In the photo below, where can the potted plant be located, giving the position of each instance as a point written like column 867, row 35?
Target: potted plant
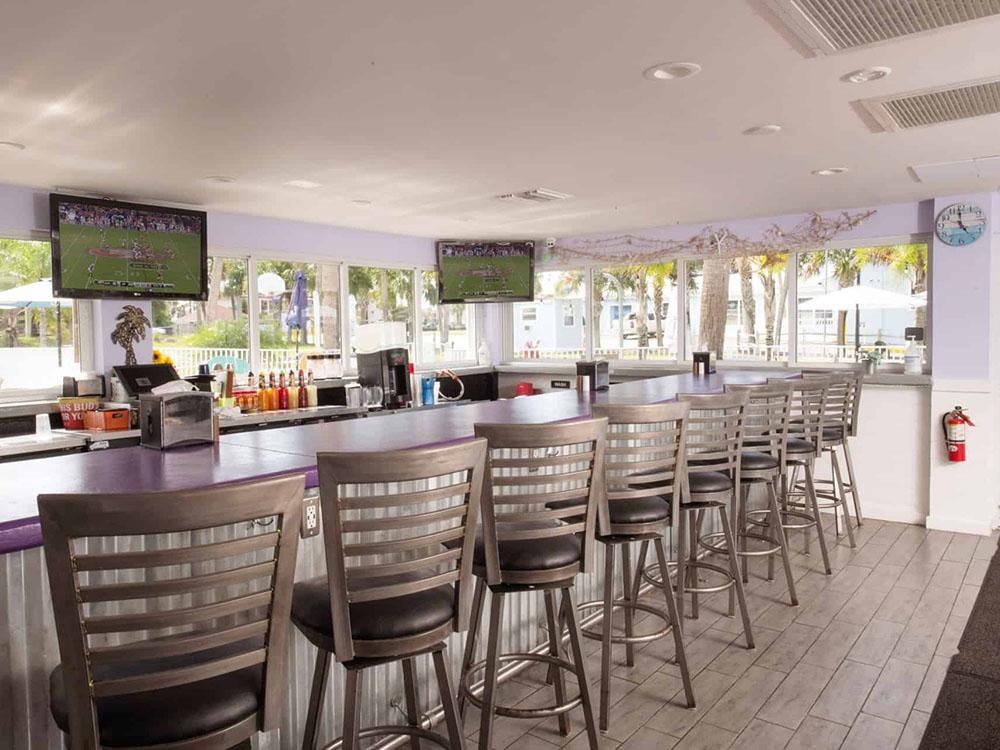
column 871, row 358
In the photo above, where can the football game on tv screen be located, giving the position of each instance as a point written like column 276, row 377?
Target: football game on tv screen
column 103, row 248
column 479, row 271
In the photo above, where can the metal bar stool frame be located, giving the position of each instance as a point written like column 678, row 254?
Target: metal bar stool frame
column 765, row 433
column 806, row 425
column 520, row 506
column 714, row 445
column 644, row 461
column 839, row 406
column 402, row 541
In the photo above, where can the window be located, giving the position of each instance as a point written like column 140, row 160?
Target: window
column 736, row 307
column 297, row 312
column 379, row 294
column 448, row 332
column 214, row 332
column 853, row 301
column 39, row 336
column 540, row 331
column 569, row 315
column 635, row 311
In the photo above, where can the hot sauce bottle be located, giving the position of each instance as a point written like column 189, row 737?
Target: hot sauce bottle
column 293, row 391
column 303, row 392
column 282, row 392
column 262, row 395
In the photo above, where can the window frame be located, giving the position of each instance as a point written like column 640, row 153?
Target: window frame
column 683, row 359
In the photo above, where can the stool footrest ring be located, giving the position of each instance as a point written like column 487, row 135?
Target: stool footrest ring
column 622, row 604
column 386, row 730
column 522, row 713
column 772, row 549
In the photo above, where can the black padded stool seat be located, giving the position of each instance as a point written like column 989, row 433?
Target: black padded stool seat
column 532, row 554
column 798, row 445
column 640, row 510
column 398, row 617
column 709, row 481
column 754, row 461
column 833, row 434
column 169, row 714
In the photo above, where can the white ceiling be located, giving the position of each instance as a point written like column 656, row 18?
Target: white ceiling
column 429, row 109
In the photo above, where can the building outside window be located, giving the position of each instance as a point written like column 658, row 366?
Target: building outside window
column 539, row 327
column 737, row 307
column 39, row 336
column 862, row 300
column 448, row 332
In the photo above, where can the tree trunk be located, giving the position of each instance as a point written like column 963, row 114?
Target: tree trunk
column 214, row 287
column 328, row 286
column 658, row 310
column 444, row 322
column 383, row 290
column 714, row 300
column 749, row 304
column 841, row 329
column 642, row 329
column 768, row 282
column 780, row 316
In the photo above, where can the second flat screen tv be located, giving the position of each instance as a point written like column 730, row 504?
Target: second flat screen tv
column 103, row 248
column 485, row 271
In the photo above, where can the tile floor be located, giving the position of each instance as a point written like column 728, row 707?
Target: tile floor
column 857, row 664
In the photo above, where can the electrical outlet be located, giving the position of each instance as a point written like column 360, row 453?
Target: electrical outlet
column 310, row 517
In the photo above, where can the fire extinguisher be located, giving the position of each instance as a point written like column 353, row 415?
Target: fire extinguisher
column 953, row 423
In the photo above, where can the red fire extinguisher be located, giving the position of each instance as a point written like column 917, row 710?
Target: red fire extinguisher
column 953, row 424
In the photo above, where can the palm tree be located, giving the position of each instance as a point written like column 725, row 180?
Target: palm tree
column 659, row 274
column 130, row 330
column 714, row 303
column 911, row 261
column 744, row 266
column 360, row 285
column 770, row 267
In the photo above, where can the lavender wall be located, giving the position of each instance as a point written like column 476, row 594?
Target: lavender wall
column 24, row 211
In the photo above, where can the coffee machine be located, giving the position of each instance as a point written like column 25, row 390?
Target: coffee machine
column 389, row 369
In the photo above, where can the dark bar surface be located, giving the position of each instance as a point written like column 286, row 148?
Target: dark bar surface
column 291, row 450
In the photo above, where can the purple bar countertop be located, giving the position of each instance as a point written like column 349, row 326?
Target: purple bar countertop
column 292, row 450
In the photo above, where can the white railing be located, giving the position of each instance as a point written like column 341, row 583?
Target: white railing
column 187, row 358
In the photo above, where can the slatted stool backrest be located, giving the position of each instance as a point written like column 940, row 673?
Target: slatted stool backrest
column 171, row 602
column 766, row 419
column 644, row 456
column 808, row 417
column 540, row 478
column 715, row 432
column 397, row 523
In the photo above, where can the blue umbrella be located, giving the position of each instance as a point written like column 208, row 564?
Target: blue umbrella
column 295, row 317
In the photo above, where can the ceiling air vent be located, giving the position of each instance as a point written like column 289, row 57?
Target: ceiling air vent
column 827, row 26
column 934, row 106
column 537, row 195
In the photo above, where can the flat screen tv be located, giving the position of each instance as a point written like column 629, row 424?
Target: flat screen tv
column 485, row 271
column 104, row 248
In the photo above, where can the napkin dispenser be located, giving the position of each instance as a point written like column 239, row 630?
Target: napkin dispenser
column 170, row 420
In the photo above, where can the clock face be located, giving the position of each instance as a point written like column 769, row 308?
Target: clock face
column 960, row 224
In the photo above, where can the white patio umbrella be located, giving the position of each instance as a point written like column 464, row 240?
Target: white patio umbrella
column 36, row 294
column 859, row 297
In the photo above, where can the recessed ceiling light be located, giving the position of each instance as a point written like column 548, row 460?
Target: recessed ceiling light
column 219, row 179
column 866, row 75
column 672, row 71
column 361, row 202
column 303, row 184
column 829, row 171
column 769, row 129
column 12, row 146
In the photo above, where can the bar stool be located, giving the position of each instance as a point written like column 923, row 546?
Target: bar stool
column 647, row 442
column 714, row 452
column 145, row 661
column 393, row 589
column 765, row 433
column 804, row 446
column 527, row 544
column 838, row 436
column 837, row 409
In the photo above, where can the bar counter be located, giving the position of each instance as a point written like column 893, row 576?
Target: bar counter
column 28, row 649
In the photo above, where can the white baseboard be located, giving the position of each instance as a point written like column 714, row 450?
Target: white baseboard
column 960, row 525
column 884, row 512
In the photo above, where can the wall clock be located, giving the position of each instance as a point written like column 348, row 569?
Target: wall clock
column 960, row 224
